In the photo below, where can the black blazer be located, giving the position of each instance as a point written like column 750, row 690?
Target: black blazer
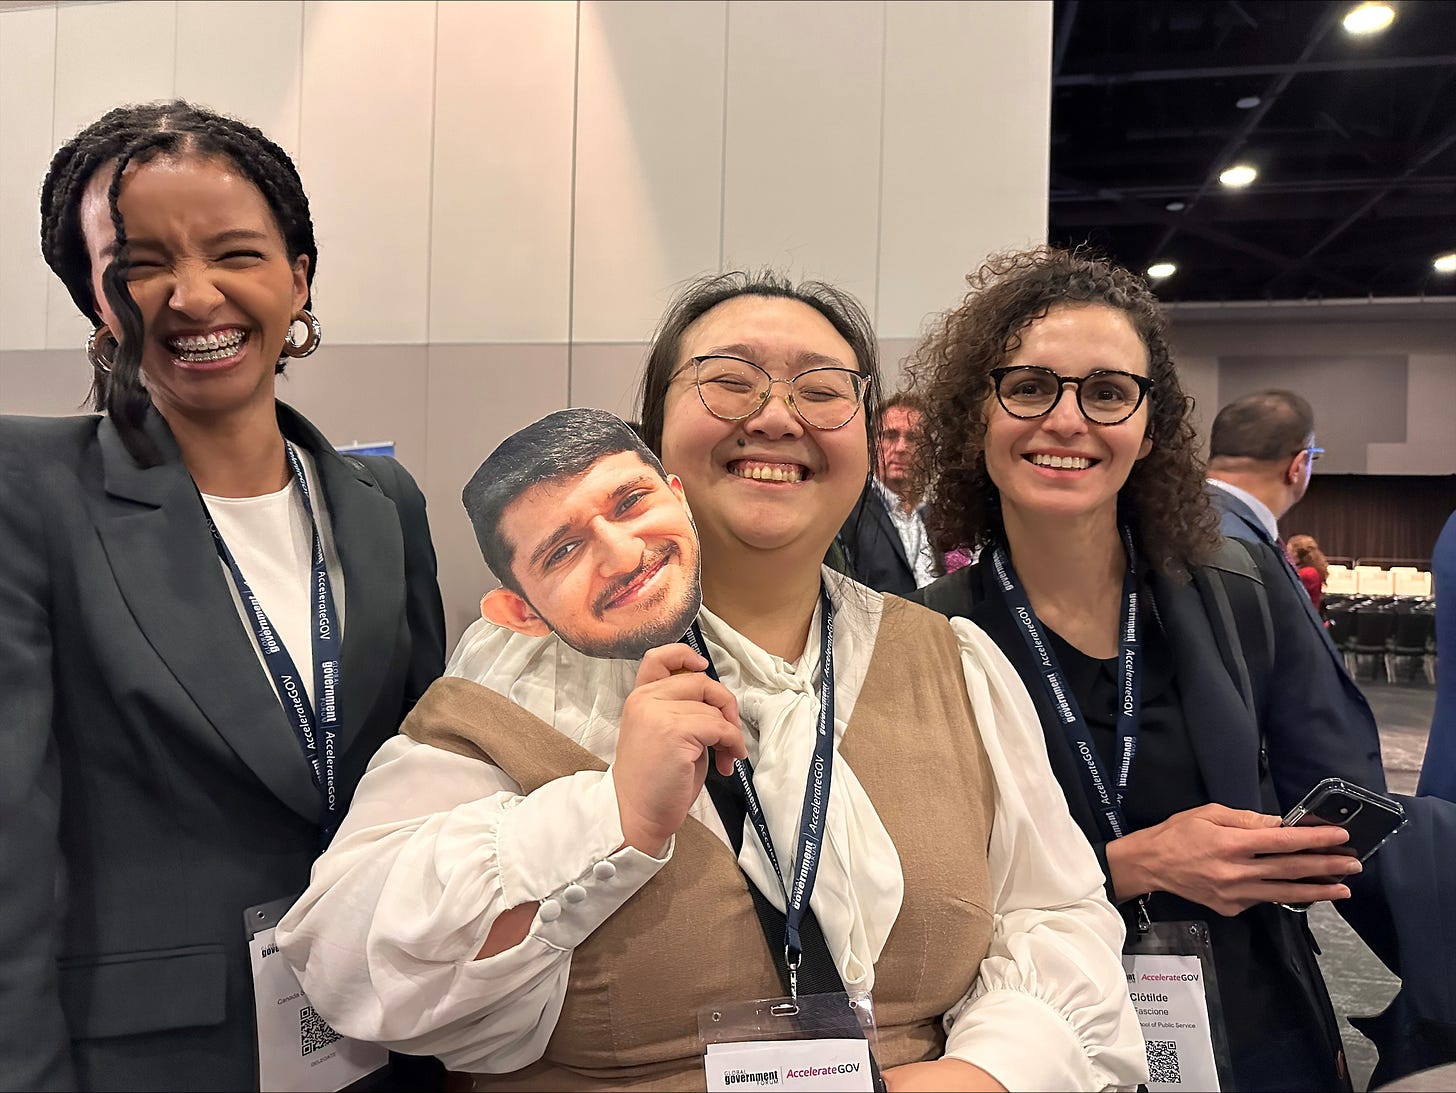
column 873, row 547
column 1237, row 521
column 1300, row 731
column 151, row 787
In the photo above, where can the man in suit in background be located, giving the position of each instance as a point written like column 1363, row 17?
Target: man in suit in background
column 1260, row 454
column 884, row 538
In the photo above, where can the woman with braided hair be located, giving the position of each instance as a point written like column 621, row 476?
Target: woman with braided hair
column 212, row 620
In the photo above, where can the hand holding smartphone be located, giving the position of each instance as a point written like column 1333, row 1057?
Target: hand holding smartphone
column 1368, row 817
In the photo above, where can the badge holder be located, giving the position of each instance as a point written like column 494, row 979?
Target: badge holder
column 1174, row 989
column 297, row 1049
column 826, row 1041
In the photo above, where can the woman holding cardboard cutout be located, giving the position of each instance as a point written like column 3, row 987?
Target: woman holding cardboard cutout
column 544, row 894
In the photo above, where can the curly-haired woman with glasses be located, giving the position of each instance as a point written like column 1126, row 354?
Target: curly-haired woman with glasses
column 1057, row 438
column 554, row 918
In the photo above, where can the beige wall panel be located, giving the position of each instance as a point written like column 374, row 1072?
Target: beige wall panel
column 478, row 396
column 364, row 143
column 1199, row 378
column 1430, row 445
column 264, row 91
column 649, row 161
column 44, row 381
column 27, row 84
column 89, row 82
column 967, row 124
column 501, row 226
column 894, row 353
column 606, row 376
column 801, row 185
column 362, row 393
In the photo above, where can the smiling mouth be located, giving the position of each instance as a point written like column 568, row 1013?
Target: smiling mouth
column 1061, row 462
column 759, row 471
column 207, row 348
column 626, row 591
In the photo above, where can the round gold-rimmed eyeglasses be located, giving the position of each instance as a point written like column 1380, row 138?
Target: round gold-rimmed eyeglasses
column 734, row 389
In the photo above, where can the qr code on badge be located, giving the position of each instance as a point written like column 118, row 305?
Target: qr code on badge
column 1162, row 1062
column 314, row 1033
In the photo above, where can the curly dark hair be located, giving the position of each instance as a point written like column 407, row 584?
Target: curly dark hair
column 137, row 134
column 1164, row 497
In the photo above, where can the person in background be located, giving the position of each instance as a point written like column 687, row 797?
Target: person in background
column 1438, row 771
column 158, row 561
column 1309, row 563
column 549, row 872
column 1059, row 439
column 884, row 538
column 1261, row 455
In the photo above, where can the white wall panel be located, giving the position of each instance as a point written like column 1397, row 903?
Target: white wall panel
column 649, row 160
column 264, row 91
column 801, row 186
column 364, row 154
column 27, row 84
column 967, row 113
column 501, row 234
column 91, row 77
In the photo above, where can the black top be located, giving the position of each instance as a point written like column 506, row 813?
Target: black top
column 1166, row 780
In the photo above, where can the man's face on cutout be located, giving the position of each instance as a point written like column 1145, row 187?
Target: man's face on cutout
column 608, row 559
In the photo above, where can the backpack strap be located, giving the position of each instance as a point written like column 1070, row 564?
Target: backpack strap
column 1233, row 587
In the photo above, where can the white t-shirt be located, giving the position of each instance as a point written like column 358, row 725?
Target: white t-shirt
column 272, row 541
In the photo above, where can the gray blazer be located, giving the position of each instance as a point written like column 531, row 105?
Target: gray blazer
column 151, row 788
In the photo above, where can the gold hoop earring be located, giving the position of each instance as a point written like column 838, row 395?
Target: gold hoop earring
column 99, row 360
column 313, row 335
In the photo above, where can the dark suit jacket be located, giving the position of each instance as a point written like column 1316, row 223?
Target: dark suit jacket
column 151, row 788
column 1237, row 521
column 872, row 545
column 1263, row 759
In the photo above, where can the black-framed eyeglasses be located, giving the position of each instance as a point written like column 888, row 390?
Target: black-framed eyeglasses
column 1105, row 397
column 1314, row 453
column 733, row 389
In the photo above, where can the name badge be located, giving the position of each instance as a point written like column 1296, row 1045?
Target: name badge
column 789, row 1064
column 812, row 1042
column 1170, row 979
column 297, row 1049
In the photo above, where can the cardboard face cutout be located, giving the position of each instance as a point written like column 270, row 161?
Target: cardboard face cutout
column 590, row 538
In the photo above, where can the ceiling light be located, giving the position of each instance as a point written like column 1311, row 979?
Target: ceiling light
column 1176, row 206
column 1240, row 174
column 1369, row 18
column 1248, row 102
column 1158, row 270
column 1445, row 263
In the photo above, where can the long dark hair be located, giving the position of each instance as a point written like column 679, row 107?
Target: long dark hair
column 138, row 134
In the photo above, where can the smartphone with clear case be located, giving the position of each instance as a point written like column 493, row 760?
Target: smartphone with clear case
column 1368, row 817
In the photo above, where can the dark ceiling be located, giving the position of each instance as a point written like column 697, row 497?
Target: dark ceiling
column 1354, row 140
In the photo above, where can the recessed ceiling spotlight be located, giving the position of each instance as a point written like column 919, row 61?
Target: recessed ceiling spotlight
column 1369, row 18
column 1159, row 270
column 1445, row 263
column 1176, row 206
column 1240, row 174
column 1248, row 102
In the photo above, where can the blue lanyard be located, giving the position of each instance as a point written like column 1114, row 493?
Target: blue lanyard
column 1106, row 801
column 325, row 647
column 816, row 792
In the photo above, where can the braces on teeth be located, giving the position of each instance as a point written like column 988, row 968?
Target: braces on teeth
column 208, row 347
